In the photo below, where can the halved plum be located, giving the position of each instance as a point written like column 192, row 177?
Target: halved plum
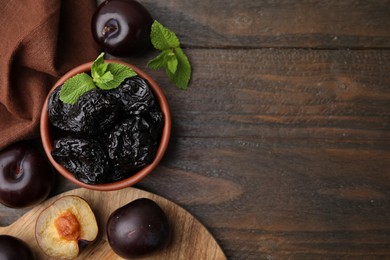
column 65, row 226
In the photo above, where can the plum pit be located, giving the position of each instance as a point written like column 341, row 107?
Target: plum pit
column 68, row 227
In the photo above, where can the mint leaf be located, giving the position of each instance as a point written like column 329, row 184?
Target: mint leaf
column 162, row 38
column 172, row 63
column 166, row 59
column 158, row 62
column 75, row 87
column 104, row 75
column 172, row 57
column 104, row 78
column 181, row 77
column 99, row 67
column 109, row 75
column 119, row 73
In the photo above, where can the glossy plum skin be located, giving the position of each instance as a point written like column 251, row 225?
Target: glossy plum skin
column 122, row 27
column 138, row 228
column 13, row 248
column 26, row 177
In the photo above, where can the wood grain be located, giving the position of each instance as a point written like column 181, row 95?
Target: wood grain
column 286, row 151
column 183, row 245
column 281, row 145
column 276, row 23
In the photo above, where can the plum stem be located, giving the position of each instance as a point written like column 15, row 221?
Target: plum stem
column 110, row 27
column 18, row 171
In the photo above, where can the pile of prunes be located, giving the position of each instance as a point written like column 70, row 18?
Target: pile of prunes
column 107, row 135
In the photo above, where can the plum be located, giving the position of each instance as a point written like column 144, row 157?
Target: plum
column 13, row 248
column 26, row 177
column 137, row 228
column 65, row 227
column 122, row 27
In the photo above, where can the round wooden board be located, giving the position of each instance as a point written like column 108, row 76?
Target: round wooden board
column 189, row 240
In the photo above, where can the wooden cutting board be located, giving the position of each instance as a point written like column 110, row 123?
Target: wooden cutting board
column 190, row 239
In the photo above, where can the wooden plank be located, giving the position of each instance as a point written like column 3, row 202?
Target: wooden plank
column 277, row 23
column 283, row 152
column 281, row 199
column 328, row 96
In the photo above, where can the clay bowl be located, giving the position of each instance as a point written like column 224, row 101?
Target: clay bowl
column 48, row 131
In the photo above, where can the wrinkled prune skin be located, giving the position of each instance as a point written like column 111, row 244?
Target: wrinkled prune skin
column 135, row 96
column 111, row 134
column 94, row 111
column 131, row 145
column 58, row 111
column 83, row 157
column 155, row 117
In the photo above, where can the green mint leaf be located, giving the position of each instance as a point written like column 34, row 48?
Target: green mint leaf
column 99, row 66
column 172, row 57
column 172, row 63
column 104, row 78
column 75, row 87
column 104, row 75
column 162, row 38
column 119, row 74
column 182, row 75
column 161, row 61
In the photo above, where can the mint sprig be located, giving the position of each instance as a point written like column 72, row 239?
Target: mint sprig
column 75, row 87
column 171, row 58
column 162, row 38
column 104, row 75
column 120, row 73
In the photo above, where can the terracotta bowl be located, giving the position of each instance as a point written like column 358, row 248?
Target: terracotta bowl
column 48, row 131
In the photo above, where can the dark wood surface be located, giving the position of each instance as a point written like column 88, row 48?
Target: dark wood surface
column 281, row 144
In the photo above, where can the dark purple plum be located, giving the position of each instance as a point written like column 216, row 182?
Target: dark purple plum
column 122, row 27
column 138, row 228
column 26, row 177
column 13, row 248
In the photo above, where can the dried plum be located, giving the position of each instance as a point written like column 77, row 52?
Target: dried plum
column 93, row 113
column 85, row 158
column 135, row 96
column 130, row 145
column 110, row 134
column 58, row 111
column 156, row 117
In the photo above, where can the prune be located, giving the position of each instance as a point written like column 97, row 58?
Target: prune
column 57, row 110
column 93, row 112
column 138, row 228
column 83, row 157
column 110, row 133
column 135, row 96
column 156, row 117
column 122, row 27
column 130, row 145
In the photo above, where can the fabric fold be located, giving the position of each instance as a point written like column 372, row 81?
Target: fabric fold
column 43, row 39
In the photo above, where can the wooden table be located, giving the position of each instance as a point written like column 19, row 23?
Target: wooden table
column 281, row 144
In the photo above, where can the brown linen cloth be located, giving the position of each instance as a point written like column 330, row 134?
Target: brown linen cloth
column 39, row 41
